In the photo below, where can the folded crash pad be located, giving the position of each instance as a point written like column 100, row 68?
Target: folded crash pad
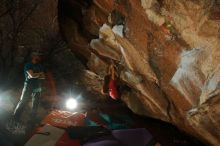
column 51, row 136
column 133, row 137
column 64, row 119
column 125, row 137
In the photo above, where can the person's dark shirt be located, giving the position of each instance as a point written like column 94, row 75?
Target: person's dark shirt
column 36, row 68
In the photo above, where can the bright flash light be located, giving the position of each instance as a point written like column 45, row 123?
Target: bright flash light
column 71, row 103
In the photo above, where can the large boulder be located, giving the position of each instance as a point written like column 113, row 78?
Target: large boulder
column 167, row 53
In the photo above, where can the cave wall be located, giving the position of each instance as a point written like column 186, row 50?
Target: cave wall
column 167, row 53
column 25, row 25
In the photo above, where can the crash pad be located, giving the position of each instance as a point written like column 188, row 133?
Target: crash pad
column 64, row 119
column 104, row 143
column 133, row 137
column 49, row 135
column 66, row 141
column 125, row 137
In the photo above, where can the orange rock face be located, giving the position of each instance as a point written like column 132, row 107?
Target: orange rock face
column 167, row 52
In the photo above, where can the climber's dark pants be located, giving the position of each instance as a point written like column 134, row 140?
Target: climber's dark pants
column 28, row 92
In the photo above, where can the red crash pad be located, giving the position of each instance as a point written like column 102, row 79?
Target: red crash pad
column 64, row 119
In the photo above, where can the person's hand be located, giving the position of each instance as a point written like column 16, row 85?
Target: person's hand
column 41, row 75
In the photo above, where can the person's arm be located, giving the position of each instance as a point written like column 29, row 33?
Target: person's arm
column 42, row 75
column 31, row 74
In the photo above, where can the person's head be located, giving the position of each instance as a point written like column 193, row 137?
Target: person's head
column 36, row 57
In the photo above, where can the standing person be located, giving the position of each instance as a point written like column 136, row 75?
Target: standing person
column 34, row 75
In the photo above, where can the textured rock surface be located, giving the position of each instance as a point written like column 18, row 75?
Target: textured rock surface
column 167, row 52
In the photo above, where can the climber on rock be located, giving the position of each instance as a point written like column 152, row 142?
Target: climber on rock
column 110, row 86
column 34, row 75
